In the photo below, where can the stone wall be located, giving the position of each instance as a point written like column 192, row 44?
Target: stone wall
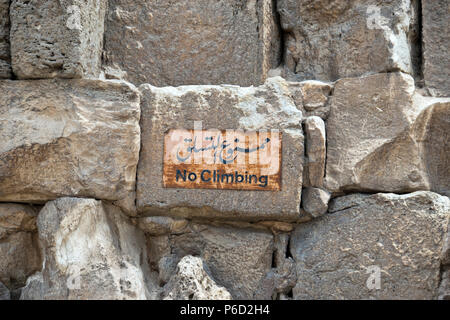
column 358, row 89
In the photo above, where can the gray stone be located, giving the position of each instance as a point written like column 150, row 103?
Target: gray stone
column 157, row 226
column 237, row 259
column 436, row 145
column 436, row 45
column 192, row 282
column 312, row 97
column 338, row 255
column 68, row 138
column 92, row 251
column 19, row 258
column 222, row 107
column 382, row 136
column 315, row 201
column 167, row 267
column 15, row 218
column 4, row 292
column 315, row 152
column 5, row 55
column 57, row 39
column 192, row 42
column 445, row 257
column 444, row 288
column 327, row 40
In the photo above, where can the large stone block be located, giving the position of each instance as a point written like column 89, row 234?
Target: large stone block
column 57, row 39
column 191, row 41
column 19, row 258
column 92, row 251
column 5, row 56
column 15, row 218
column 381, row 246
column 68, row 138
column 18, row 244
column 436, row 45
column 382, row 136
column 220, row 107
column 237, row 259
column 327, row 40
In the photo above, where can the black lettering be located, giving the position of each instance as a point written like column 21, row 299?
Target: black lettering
column 202, row 176
column 250, row 178
column 192, row 176
column 263, row 181
column 238, row 177
column 230, row 175
column 181, row 175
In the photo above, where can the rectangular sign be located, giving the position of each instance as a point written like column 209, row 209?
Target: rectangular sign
column 222, row 159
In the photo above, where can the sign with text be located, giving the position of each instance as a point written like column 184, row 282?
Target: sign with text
column 222, row 159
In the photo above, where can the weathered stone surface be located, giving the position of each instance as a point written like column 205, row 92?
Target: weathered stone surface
column 19, row 258
column 157, row 226
column 237, row 259
column 311, row 97
column 315, row 201
column 91, row 251
column 402, row 235
column 18, row 244
column 192, row 42
column 222, row 107
column 192, row 282
column 328, row 40
column 381, row 136
column 444, row 288
column 445, row 257
column 5, row 55
column 436, row 45
column 283, row 276
column 315, row 152
column 4, row 292
column 57, row 39
column 436, row 145
column 68, row 138
column 15, row 218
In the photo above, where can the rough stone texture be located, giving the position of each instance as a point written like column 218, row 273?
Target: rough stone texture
column 401, row 234
column 18, row 245
column 311, row 97
column 381, row 136
column 57, row 39
column 5, row 55
column 4, row 292
column 444, row 288
column 327, row 40
column 157, row 226
column 436, row 146
column 446, row 249
column 221, row 107
column 192, row 282
column 192, row 42
column 316, row 152
column 436, row 45
column 68, row 138
column 15, row 218
column 91, row 251
column 19, row 258
column 283, row 277
column 315, row 201
column 237, row 259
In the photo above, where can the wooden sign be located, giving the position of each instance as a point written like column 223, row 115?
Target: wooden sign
column 222, row 159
